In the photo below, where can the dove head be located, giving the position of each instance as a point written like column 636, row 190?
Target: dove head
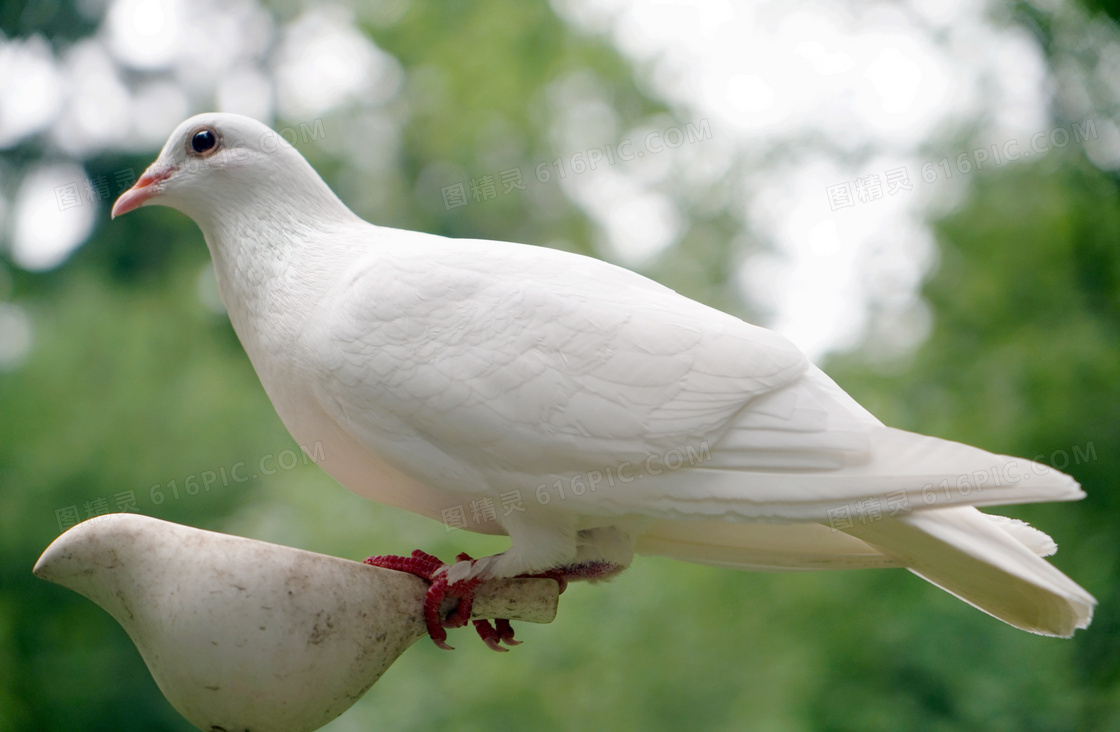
column 220, row 168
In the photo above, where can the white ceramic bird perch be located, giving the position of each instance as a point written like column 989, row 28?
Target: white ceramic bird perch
column 245, row 635
column 578, row 407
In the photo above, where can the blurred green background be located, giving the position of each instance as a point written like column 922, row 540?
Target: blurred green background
column 121, row 378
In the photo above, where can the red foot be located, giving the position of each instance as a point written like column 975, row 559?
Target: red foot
column 430, row 568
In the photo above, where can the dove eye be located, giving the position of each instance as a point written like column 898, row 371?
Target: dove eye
column 204, row 141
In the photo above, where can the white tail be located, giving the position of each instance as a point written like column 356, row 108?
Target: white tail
column 989, row 562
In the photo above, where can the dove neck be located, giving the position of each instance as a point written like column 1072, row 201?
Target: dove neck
column 271, row 264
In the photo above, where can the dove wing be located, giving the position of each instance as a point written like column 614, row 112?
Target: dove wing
column 490, row 364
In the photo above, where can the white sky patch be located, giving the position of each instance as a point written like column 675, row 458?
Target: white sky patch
column 98, row 109
column 869, row 87
column 640, row 226
column 581, row 113
column 48, row 224
column 836, row 269
column 157, row 107
column 636, row 221
column 197, row 44
column 229, row 33
column 30, row 88
column 635, row 224
column 369, row 139
column 324, row 62
column 146, row 34
column 246, row 90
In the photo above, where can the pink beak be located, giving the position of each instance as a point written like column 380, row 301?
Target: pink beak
column 140, row 192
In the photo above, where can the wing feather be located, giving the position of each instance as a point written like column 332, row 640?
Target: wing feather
column 558, row 365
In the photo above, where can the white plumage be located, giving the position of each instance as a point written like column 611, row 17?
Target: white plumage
column 591, row 410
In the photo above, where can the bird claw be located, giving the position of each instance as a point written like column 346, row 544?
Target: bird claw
column 430, row 568
column 505, row 630
column 494, row 635
column 434, row 571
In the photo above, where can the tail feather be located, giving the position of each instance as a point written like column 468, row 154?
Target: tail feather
column 993, row 565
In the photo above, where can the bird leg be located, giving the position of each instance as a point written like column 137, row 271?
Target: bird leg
column 430, row 568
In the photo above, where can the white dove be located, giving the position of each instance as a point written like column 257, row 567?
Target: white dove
column 583, row 410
